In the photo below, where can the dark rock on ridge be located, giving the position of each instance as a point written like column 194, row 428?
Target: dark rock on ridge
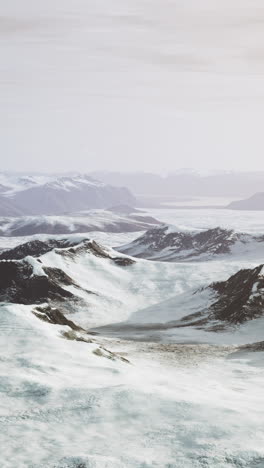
column 64, row 247
column 19, row 285
column 237, row 300
column 166, row 244
column 53, row 315
column 34, row 248
column 96, row 249
column 241, row 297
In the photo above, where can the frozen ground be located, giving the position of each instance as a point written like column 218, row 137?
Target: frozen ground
column 183, row 400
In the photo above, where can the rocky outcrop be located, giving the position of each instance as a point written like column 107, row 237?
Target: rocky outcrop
column 20, row 284
column 55, row 316
column 241, row 297
column 235, row 301
column 65, row 247
column 35, row 248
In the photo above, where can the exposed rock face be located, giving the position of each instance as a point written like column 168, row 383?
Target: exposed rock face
column 256, row 202
column 166, row 244
column 25, row 280
column 55, row 316
column 19, row 284
column 237, row 300
column 241, row 297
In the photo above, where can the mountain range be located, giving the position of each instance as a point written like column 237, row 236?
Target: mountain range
column 165, row 243
column 55, row 277
column 53, row 195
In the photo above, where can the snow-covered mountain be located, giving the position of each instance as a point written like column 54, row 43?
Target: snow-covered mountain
column 93, row 220
column 227, row 310
column 50, row 273
column 58, row 272
column 166, row 243
column 256, row 202
column 25, row 280
column 56, row 370
column 56, row 195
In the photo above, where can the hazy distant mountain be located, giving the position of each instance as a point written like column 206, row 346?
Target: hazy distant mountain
column 256, row 202
column 187, row 183
column 47, row 195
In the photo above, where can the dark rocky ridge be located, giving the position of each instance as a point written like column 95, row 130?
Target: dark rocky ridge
column 19, row 285
column 237, row 300
column 164, row 244
column 241, row 297
column 22, row 283
column 64, row 247
column 95, row 249
column 34, row 248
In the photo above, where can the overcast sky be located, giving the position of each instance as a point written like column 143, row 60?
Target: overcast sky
column 150, row 85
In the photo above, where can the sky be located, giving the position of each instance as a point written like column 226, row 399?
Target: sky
column 151, row 85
